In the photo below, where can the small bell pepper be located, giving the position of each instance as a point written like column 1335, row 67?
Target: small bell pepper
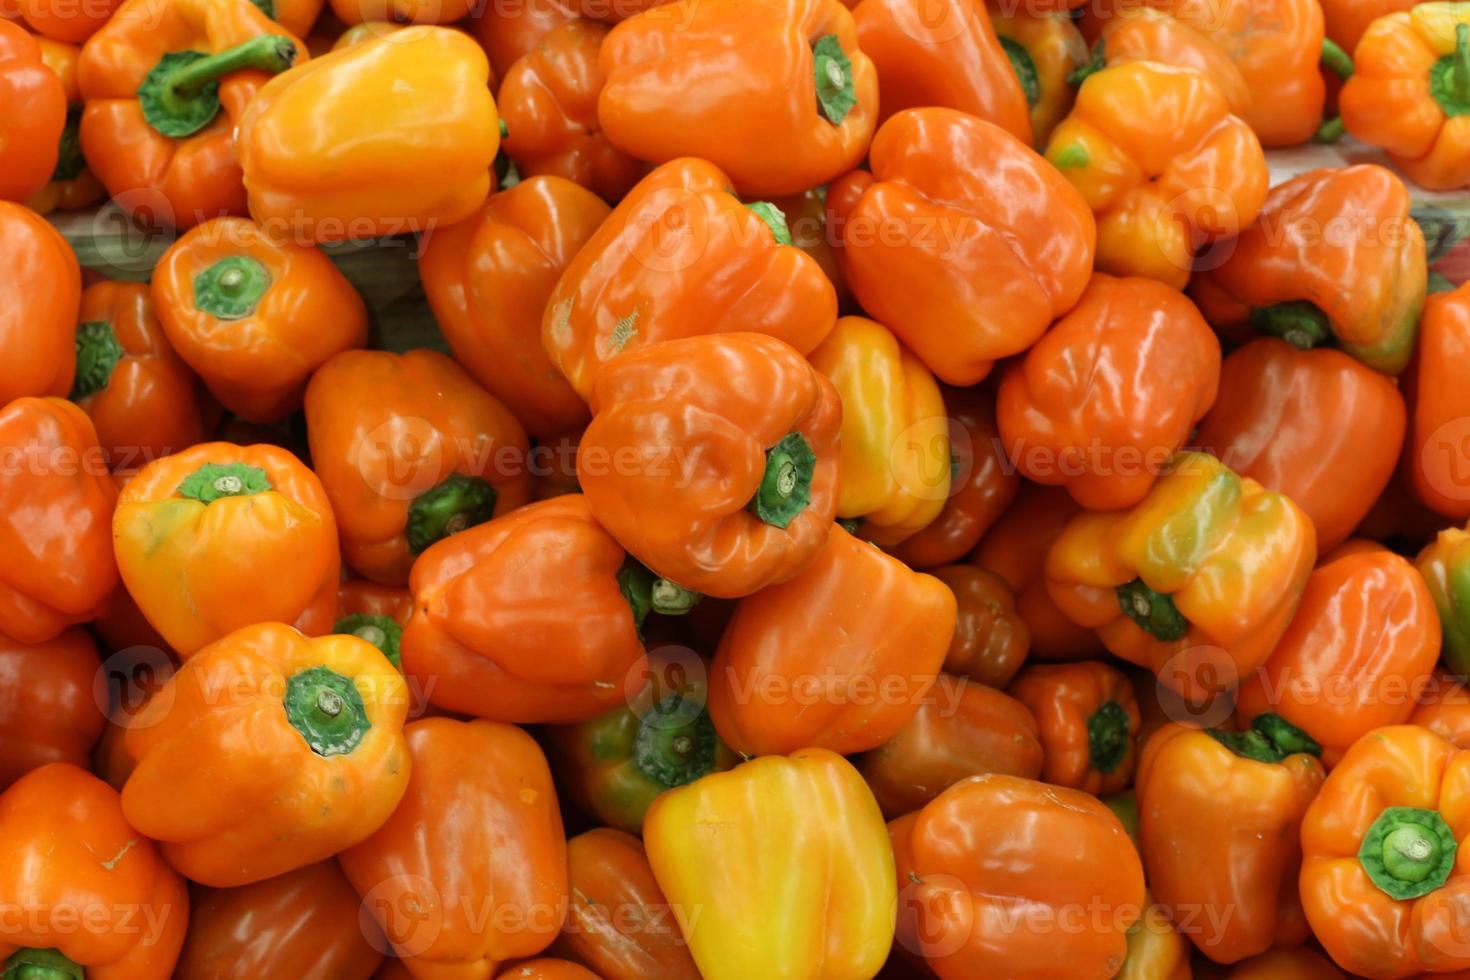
column 354, row 12
column 1357, row 655
column 509, row 32
column 1219, row 814
column 1445, row 566
column 342, row 148
column 1196, row 583
column 776, row 93
column 488, row 279
column 1335, row 254
column 1316, row 425
column 998, row 872
column 373, row 612
column 1440, row 404
column 1146, row 34
column 681, row 256
column 471, row 869
column 87, row 894
column 1065, row 415
column 72, row 186
column 1043, row 48
column 300, row 924
column 966, row 264
column 1298, row 963
column 1164, row 165
column 777, row 869
column 961, row 730
column 1089, row 721
column 35, row 115
column 38, row 322
column 48, row 711
column 713, row 460
column 1443, row 707
column 1382, row 883
column 991, row 639
column 222, row 536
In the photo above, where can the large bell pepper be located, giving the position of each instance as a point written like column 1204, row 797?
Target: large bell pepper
column 1088, row 719
column 409, row 450
column 376, row 613
column 471, row 869
column 488, row 279
column 681, row 256
column 85, row 893
column 965, row 262
column 1445, row 566
column 1296, row 963
column 1065, row 418
column 1196, row 583
column 1147, row 34
column 1009, row 877
column 1440, row 402
column 714, row 459
column 48, row 708
column 777, row 869
column 1333, row 253
column 222, row 536
column 510, row 31
column 38, row 321
column 35, row 115
column 991, row 639
column 1043, row 48
column 344, row 147
column 1218, row 820
column 71, row 186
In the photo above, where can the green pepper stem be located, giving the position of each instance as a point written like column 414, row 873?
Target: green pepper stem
column 1270, row 739
column 231, row 288
column 98, row 352
column 1460, row 73
column 1153, row 612
column 1300, row 323
column 457, row 503
column 1107, row 736
column 1408, row 852
column 1330, row 131
column 269, row 52
column 381, row 631
column 1336, row 60
column 327, row 709
column 212, row 481
column 40, row 964
column 786, row 487
column 674, row 746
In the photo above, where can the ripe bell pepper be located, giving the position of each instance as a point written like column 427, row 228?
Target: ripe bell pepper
column 87, row 894
column 965, row 262
column 35, row 115
column 1440, row 405
column 1445, row 566
column 1063, row 418
column 471, row 869
column 69, row 23
column 1334, row 251
column 38, row 323
column 222, row 536
column 341, row 148
column 488, row 279
column 376, row 613
column 777, row 869
column 1043, row 48
column 303, row 757
column 1164, row 164
column 1196, row 583
column 713, row 460
column 681, row 256
column 1010, row 877
column 1347, row 20
column 1146, row 34
column 802, row 665
column 1218, row 819
column 991, row 639
column 48, row 711
column 1089, row 721
column 71, row 186
column 776, row 93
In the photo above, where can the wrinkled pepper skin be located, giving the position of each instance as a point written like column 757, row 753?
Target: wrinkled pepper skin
column 778, row 868
column 776, row 93
column 1299, row 963
column 1440, row 404
column 1066, row 415
column 254, row 317
column 1218, row 820
column 685, row 434
column 1316, row 425
column 1088, row 719
column 38, row 324
column 991, row 639
column 992, row 841
column 488, row 279
column 1358, row 653
column 1334, row 250
column 409, row 450
column 35, row 114
column 1147, row 34
column 303, row 923
column 338, row 148
column 97, row 896
column 1044, row 48
column 681, row 256
column 1445, row 566
column 471, row 869
column 1015, row 254
column 48, row 712
column 220, row 536
column 56, row 501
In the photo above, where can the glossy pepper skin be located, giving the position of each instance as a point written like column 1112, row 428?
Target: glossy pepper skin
column 1068, row 416
column 471, row 869
column 1219, row 815
column 71, row 185
column 785, row 857
column 1147, row 34
column 1043, row 49
column 681, row 256
column 1381, row 884
column 1434, row 459
column 724, row 487
column 991, row 841
column 38, row 324
column 70, row 856
column 48, row 712
column 1015, row 254
column 510, row 32
column 1334, row 251
column 191, row 530
column 337, row 150
column 254, row 317
column 1088, row 720
column 1270, row 421
column 1444, row 564
column 35, row 115
column 488, row 279
column 991, row 639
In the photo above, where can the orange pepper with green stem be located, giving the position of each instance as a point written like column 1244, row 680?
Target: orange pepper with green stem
column 48, row 711
column 1043, row 48
column 72, row 185
column 38, row 323
column 1088, row 720
column 35, row 115
column 991, row 639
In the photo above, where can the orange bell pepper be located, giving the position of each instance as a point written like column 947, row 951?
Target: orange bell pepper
column 35, row 115
column 1299, row 963
column 1089, row 721
column 70, row 23
column 354, row 12
column 471, row 869
column 488, row 279
column 965, row 263
column 1062, row 416
column 510, row 31
column 89, row 896
column 802, row 665
column 1043, row 48
column 376, row 613
column 71, row 186
column 1348, row 20
column 48, row 711
column 38, row 323
column 222, row 536
column 338, row 150
column 1440, row 404
column 1146, row 34
column 1443, row 707
column 680, row 257
column 1010, row 877
column 991, row 639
